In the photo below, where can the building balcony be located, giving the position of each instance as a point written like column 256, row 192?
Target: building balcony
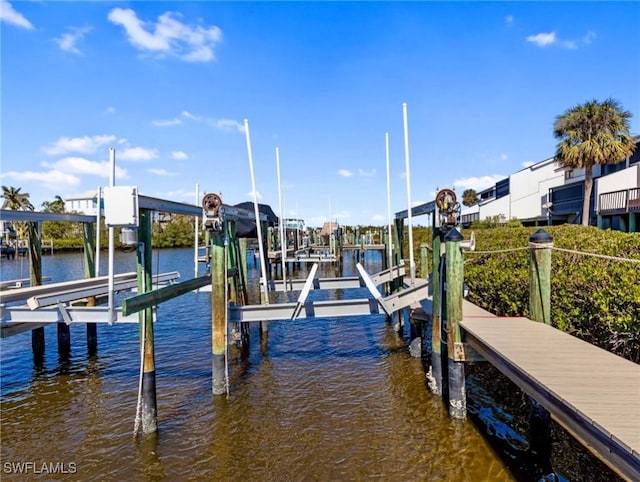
column 619, row 202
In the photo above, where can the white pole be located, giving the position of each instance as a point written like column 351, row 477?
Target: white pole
column 98, row 216
column 412, row 263
column 386, row 142
column 263, row 266
column 297, row 228
column 283, row 242
column 196, row 243
column 330, row 228
column 112, row 182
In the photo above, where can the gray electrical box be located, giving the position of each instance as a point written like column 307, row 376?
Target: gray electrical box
column 121, row 206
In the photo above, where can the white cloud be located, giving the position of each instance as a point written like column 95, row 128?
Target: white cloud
column 181, row 194
column 168, row 36
column 378, row 218
column 110, row 110
column 189, row 115
column 345, row 173
column 542, row 39
column 179, row 155
column 80, row 165
column 161, row 172
column 318, row 220
column 588, row 38
column 68, row 41
column 570, row 44
column 53, row 180
column 166, row 123
column 229, row 125
column 363, row 173
column 137, row 154
column 250, row 194
column 344, row 214
column 82, row 145
column 509, row 20
column 477, row 183
column 9, row 15
column 226, row 125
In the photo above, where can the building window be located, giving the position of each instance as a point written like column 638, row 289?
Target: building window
column 502, row 188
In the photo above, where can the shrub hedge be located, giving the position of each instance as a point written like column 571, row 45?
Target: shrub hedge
column 592, row 298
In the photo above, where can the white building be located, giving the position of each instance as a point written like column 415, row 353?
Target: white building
column 82, row 204
column 547, row 193
column 529, row 188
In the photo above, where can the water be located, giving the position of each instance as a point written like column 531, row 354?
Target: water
column 325, row 399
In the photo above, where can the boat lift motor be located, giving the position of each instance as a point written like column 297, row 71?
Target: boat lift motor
column 211, row 215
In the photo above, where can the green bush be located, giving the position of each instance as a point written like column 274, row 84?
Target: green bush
column 595, row 299
column 71, row 244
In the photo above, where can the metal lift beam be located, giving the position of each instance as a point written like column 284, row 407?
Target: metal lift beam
column 339, row 283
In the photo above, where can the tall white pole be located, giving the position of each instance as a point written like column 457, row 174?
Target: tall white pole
column 196, row 229
column 98, row 216
column 412, row 263
column 283, row 242
column 297, row 228
column 330, row 228
column 263, row 266
column 386, row 142
column 112, row 182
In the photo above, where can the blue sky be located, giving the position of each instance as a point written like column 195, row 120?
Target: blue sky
column 169, row 85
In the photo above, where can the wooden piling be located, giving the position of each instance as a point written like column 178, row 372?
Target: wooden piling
column 64, row 334
column 241, row 247
column 424, row 260
column 64, row 340
column 232, row 279
column 218, row 312
column 387, row 258
column 540, row 244
column 264, row 225
column 415, row 337
column 455, row 351
column 35, row 278
column 434, row 377
column 149, row 406
column 398, row 237
column 88, row 233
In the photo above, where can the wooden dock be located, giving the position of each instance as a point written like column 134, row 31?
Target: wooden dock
column 593, row 394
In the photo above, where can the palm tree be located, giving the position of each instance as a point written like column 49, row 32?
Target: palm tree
column 592, row 133
column 55, row 206
column 15, row 200
column 55, row 229
column 19, row 201
column 469, row 197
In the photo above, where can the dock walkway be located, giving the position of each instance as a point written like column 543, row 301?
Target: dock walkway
column 592, row 393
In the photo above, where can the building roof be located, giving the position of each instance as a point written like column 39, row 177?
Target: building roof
column 328, row 228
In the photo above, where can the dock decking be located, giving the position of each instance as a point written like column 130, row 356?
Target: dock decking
column 593, row 394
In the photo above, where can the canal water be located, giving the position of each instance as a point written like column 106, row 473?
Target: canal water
column 337, row 399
